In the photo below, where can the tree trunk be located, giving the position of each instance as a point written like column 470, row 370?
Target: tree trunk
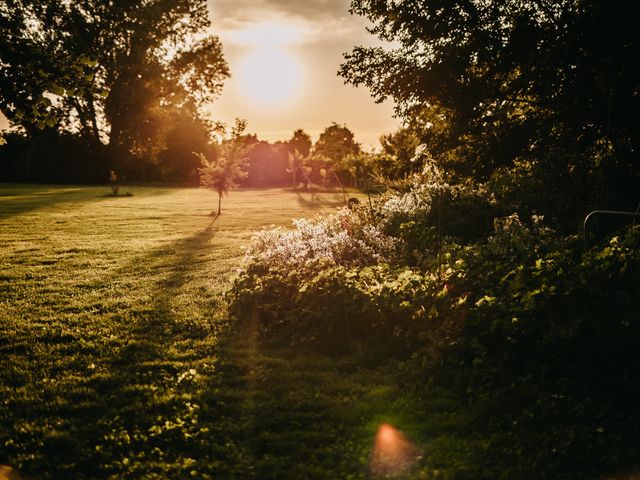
column 219, row 201
column 84, row 121
column 93, row 118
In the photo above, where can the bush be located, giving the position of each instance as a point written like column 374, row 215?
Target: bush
column 305, row 278
column 545, row 356
column 534, row 336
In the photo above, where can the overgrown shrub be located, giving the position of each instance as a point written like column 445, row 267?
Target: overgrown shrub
column 308, row 277
column 535, row 337
column 345, row 277
column 546, row 354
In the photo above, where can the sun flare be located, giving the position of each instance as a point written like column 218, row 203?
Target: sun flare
column 270, row 73
column 270, row 76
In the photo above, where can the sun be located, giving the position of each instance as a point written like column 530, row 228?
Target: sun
column 270, row 72
column 270, row 76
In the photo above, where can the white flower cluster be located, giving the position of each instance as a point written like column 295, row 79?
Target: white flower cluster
column 422, row 190
column 417, row 201
column 341, row 239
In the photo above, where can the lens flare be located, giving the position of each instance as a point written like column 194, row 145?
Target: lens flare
column 8, row 473
column 393, row 453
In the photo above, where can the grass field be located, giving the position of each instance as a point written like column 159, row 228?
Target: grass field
column 117, row 360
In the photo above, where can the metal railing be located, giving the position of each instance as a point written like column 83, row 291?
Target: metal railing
column 603, row 212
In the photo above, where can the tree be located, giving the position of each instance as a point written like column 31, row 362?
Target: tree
column 187, row 133
column 336, row 142
column 553, row 83
column 334, row 145
column 300, row 141
column 297, row 150
column 32, row 73
column 401, row 145
column 296, row 166
column 144, row 59
column 222, row 173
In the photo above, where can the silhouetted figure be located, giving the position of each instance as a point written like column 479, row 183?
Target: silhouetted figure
column 113, row 181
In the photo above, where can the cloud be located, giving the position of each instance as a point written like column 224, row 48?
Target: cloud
column 313, row 10
column 267, row 33
column 252, row 10
column 326, row 22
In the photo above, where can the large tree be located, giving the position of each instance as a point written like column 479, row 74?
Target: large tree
column 555, row 82
column 31, row 72
column 336, row 142
column 145, row 59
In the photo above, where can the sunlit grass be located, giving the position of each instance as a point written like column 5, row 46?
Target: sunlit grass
column 116, row 359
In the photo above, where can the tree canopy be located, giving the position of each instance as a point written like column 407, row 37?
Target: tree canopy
column 336, row 142
column 140, row 63
column 300, row 141
column 488, row 83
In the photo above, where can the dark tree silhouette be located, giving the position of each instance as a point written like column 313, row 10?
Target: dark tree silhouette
column 139, row 62
column 549, row 82
column 300, row 141
column 335, row 144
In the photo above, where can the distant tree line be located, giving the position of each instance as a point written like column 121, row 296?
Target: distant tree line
column 59, row 156
column 92, row 87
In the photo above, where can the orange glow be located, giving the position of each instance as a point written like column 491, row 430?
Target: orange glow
column 270, row 76
column 8, row 473
column 270, row 73
column 393, row 453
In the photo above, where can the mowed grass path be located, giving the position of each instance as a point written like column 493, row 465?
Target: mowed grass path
column 117, row 360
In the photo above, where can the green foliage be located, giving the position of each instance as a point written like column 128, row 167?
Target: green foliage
column 534, row 338
column 492, row 86
column 300, row 142
column 545, row 354
column 35, row 78
column 335, row 144
column 400, row 146
column 377, row 311
column 187, row 134
column 116, row 71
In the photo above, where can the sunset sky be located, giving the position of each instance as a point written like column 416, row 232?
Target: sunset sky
column 284, row 56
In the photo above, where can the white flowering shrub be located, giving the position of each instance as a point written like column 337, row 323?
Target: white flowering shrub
column 340, row 239
column 417, row 201
column 346, row 276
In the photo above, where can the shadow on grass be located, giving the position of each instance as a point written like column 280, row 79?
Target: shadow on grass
column 210, row 402
column 132, row 413
column 179, row 394
column 20, row 199
column 314, row 200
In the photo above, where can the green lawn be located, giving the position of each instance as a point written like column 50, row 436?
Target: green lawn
column 117, row 360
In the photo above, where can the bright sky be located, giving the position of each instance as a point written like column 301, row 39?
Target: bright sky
column 284, row 56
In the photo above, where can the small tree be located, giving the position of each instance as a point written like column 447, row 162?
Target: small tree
column 296, row 168
column 222, row 173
